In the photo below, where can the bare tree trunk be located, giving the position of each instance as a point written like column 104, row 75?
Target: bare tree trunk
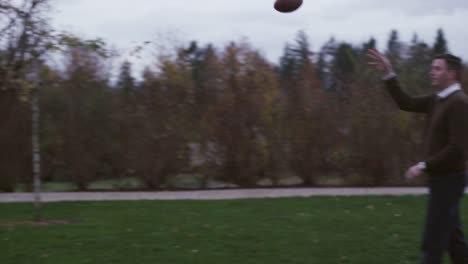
column 36, row 155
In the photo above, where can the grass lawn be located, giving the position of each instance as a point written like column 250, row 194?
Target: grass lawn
column 374, row 230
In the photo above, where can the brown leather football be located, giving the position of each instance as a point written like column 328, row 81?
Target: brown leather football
column 286, row 6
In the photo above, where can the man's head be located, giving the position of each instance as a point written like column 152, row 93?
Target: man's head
column 445, row 70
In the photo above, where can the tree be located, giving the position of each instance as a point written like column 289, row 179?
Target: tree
column 240, row 124
column 86, row 124
column 305, row 106
column 372, row 158
column 194, row 56
column 416, row 66
column 325, row 64
column 394, row 45
column 208, row 80
column 395, row 49
column 440, row 45
column 371, row 44
column 26, row 38
column 124, row 113
column 164, row 122
column 23, row 40
column 344, row 68
column 125, row 80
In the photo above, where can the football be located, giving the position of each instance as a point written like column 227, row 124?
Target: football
column 286, row 6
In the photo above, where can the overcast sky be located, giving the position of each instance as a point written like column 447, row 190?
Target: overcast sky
column 124, row 23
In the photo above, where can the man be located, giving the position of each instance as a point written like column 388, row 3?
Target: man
column 446, row 137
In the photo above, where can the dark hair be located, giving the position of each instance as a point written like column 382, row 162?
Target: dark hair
column 454, row 63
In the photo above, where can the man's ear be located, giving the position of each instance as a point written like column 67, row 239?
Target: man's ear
column 452, row 74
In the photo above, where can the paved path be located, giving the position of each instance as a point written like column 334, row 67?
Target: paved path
column 209, row 194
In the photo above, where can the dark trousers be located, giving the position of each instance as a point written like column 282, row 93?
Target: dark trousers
column 443, row 228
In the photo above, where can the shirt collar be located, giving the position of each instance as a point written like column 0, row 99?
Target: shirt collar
column 449, row 90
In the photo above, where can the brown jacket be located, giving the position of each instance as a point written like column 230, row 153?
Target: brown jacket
column 446, row 131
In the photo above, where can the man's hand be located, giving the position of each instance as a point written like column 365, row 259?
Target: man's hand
column 414, row 172
column 379, row 61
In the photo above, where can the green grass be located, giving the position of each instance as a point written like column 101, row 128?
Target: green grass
column 50, row 187
column 318, row 230
column 116, row 184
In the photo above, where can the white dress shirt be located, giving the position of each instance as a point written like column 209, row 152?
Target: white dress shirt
column 449, row 90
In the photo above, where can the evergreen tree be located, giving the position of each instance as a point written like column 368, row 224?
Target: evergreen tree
column 343, row 68
column 371, row 44
column 416, row 66
column 125, row 111
column 394, row 46
column 288, row 64
column 344, row 60
column 325, row 63
column 440, row 45
column 125, row 81
column 305, row 106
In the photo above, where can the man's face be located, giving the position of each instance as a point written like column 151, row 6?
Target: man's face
column 441, row 76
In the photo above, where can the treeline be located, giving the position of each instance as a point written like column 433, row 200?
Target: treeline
column 218, row 113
